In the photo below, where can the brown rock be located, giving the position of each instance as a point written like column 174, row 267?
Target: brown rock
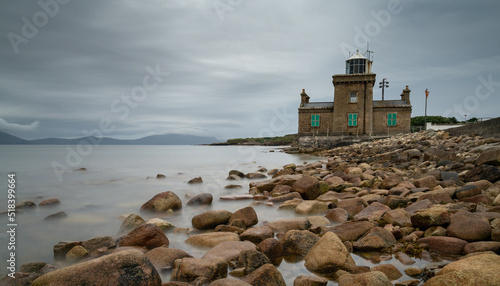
column 49, row 202
column 201, row 199
column 76, row 253
column 337, row 215
column 228, row 251
column 284, row 225
column 251, row 260
column 163, row 202
column 372, row 278
column 285, row 197
column 198, row 271
column 429, row 217
column 389, row 270
column 352, row 206
column 444, row 244
column 298, row 242
column 197, row 180
column 377, row 238
column 426, row 182
column 310, row 207
column 490, row 157
column 304, row 280
column 280, row 190
column 257, row 234
column 211, row 239
column 307, row 187
column 163, row 257
column 482, row 246
column 211, row 219
column 268, row 185
column 247, row 215
column 131, row 266
column 229, row 282
column 98, row 242
column 265, row 275
column 132, row 221
column 397, row 217
column 483, row 172
column 252, row 176
column 470, row 230
column 424, row 204
column 147, row 235
column 271, row 247
column 373, row 212
column 468, row 191
column 391, row 181
column 351, row 231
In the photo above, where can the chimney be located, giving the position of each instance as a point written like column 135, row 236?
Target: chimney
column 304, row 97
column 406, row 95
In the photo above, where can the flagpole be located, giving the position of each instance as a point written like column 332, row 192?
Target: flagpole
column 425, row 117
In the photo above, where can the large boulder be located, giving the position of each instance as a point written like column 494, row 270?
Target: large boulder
column 429, row 217
column 251, row 260
column 267, row 274
column 298, row 242
column 328, row 256
column 268, row 185
column 310, row 207
column 481, row 269
column 426, row 182
column 490, row 157
column 308, row 187
column 337, row 215
column 211, row 239
column 397, row 217
column 131, row 221
column 229, row 282
column 257, row 234
column 372, row 278
column 376, row 239
column 201, row 199
column 198, row 271
column 284, row 225
column 129, row 267
column 211, row 219
column 99, row 242
column 147, row 235
column 163, row 257
column 247, row 215
column 482, row 246
column 272, row 248
column 163, row 202
column 483, row 172
column 373, row 212
column 470, row 230
column 351, row 231
column 305, row 280
column 444, row 244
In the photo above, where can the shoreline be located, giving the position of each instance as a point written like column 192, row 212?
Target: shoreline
column 425, row 196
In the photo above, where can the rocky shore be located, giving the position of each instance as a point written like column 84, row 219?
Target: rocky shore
column 425, row 196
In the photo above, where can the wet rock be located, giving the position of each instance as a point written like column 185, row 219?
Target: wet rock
column 237, row 173
column 482, row 246
column 265, row 275
column 285, row 197
column 229, row 282
column 26, row 204
column 49, row 202
column 429, row 217
column 161, row 223
column 147, row 235
column 304, row 280
column 56, row 216
column 211, row 219
column 229, row 228
column 201, row 199
column 76, row 253
column 99, row 242
column 198, row 271
column 470, row 230
column 397, row 217
column 284, row 225
column 307, row 187
column 251, row 260
column 475, row 270
column 163, row 257
column 268, row 185
column 373, row 278
column 280, row 190
column 483, row 172
column 389, row 270
column 197, row 180
column 376, row 239
column 247, row 215
column 272, row 248
column 328, row 256
column 413, row 271
column 211, row 239
column 257, row 234
column 132, row 221
column 63, row 247
column 351, row 231
column 163, row 202
column 373, row 212
column 298, row 242
column 444, row 244
column 290, row 204
column 337, row 215
column 490, row 157
column 311, row 207
column 253, row 176
column 131, row 266
column 404, row 258
column 228, row 251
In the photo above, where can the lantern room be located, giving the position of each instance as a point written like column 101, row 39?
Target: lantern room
column 358, row 64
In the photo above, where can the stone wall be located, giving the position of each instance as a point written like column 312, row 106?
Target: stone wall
column 325, row 121
column 307, row 144
column 490, row 128
column 403, row 121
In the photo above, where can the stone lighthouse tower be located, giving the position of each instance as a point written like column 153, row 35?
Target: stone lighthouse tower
column 353, row 110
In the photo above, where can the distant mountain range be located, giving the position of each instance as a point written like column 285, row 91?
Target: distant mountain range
column 166, row 139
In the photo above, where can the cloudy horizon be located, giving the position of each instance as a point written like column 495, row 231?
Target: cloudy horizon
column 231, row 69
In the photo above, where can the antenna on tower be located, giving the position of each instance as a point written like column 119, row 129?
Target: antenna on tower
column 369, row 52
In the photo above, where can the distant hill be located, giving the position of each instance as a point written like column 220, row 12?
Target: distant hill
column 166, row 139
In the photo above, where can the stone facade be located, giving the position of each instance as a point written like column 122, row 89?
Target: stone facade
column 353, row 111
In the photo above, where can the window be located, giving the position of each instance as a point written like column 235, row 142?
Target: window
column 353, row 97
column 353, row 119
column 391, row 119
column 315, row 120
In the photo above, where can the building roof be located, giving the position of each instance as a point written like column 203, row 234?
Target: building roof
column 357, row 55
column 390, row 103
column 317, row 105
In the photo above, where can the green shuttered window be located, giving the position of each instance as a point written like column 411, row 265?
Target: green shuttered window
column 353, row 119
column 391, row 119
column 315, row 120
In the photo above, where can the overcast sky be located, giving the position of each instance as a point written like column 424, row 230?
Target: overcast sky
column 232, row 68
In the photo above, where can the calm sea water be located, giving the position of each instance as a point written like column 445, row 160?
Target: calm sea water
column 117, row 181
